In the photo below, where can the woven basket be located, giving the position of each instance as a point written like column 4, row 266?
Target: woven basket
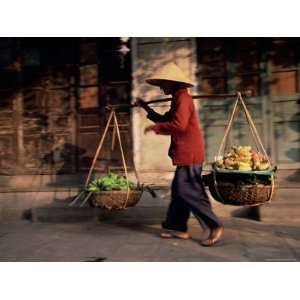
column 116, row 199
column 237, row 187
column 235, row 193
column 231, row 194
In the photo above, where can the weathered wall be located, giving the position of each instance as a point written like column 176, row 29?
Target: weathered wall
column 149, row 54
column 53, row 94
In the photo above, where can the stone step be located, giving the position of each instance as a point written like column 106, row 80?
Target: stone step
column 54, row 189
column 65, row 182
column 284, row 207
column 155, row 215
column 64, row 214
column 85, row 214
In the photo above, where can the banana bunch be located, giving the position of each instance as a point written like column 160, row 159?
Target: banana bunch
column 243, row 158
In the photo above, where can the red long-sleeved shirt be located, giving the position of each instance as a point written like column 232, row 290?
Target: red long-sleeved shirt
column 182, row 124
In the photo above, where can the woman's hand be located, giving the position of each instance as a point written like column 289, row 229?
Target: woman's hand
column 141, row 103
column 148, row 129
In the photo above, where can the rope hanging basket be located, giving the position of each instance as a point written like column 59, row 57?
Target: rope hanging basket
column 242, row 182
column 114, row 199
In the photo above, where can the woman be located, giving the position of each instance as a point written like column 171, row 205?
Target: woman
column 187, row 154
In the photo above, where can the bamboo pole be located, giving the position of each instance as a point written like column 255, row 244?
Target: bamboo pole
column 203, row 96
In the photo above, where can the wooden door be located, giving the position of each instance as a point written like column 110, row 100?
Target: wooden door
column 270, row 68
column 53, row 93
column 10, row 100
column 48, row 110
column 103, row 80
column 226, row 66
column 284, row 79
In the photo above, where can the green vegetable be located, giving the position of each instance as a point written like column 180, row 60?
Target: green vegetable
column 110, row 182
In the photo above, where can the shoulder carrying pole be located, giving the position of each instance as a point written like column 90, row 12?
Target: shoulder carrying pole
column 201, row 96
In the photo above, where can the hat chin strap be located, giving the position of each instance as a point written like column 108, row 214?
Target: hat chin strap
column 179, row 86
column 174, row 87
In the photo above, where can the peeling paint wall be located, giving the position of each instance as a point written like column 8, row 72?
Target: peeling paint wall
column 149, row 54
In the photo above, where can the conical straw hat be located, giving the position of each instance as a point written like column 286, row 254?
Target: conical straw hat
column 170, row 72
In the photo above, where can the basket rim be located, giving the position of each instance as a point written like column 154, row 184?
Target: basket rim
column 259, row 185
column 118, row 192
column 270, row 171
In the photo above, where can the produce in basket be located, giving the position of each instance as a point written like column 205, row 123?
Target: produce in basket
column 113, row 191
column 243, row 176
column 243, row 158
column 110, row 182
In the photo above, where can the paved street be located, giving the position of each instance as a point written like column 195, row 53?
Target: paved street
column 61, row 233
column 133, row 240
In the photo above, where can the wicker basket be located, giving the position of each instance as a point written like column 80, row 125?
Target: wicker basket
column 116, row 199
column 230, row 194
column 244, row 194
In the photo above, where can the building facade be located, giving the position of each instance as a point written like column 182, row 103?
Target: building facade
column 54, row 93
column 269, row 67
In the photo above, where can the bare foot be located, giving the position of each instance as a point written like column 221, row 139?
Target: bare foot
column 214, row 236
column 174, row 234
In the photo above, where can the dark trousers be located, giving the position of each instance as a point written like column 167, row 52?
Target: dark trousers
column 189, row 195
